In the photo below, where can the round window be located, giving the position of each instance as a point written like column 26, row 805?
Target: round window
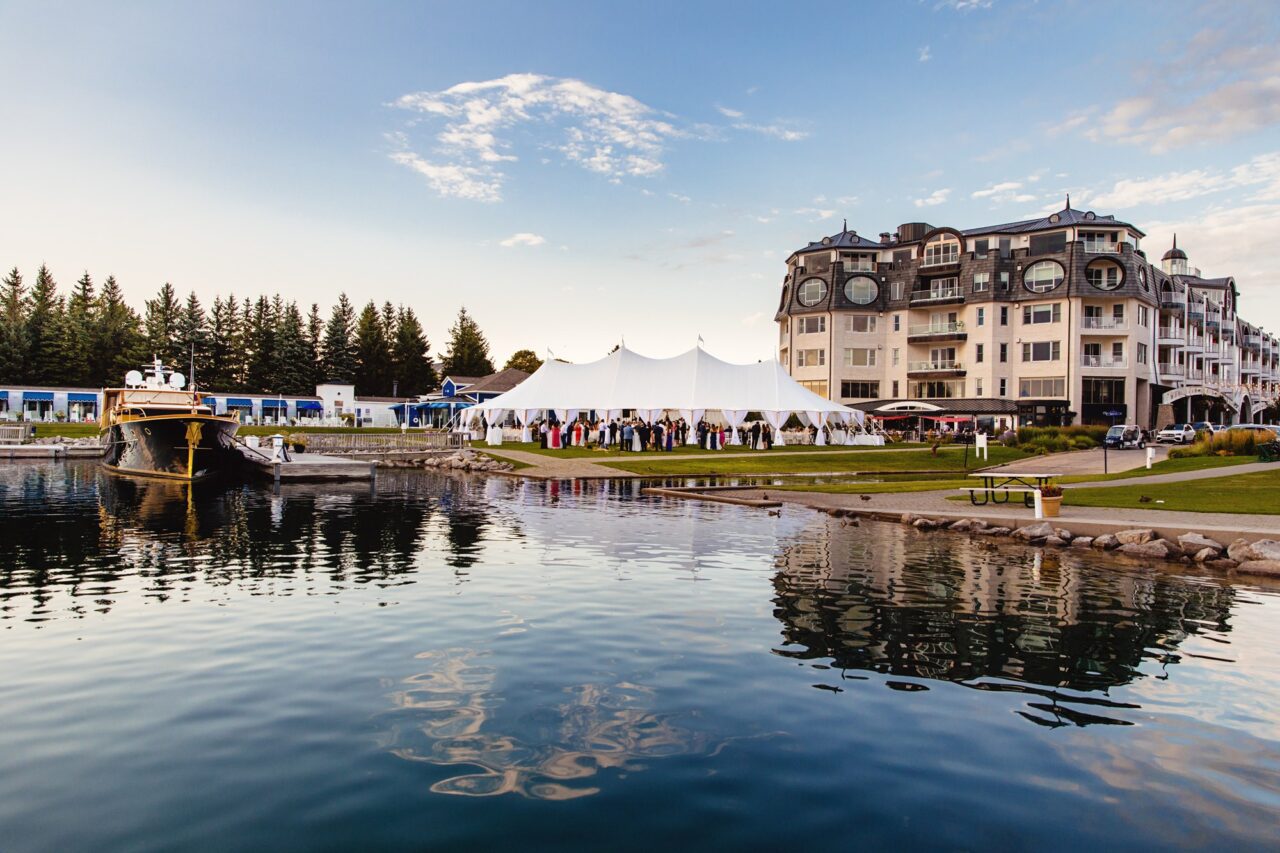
column 1104, row 274
column 812, row 291
column 861, row 290
column 1042, row 276
column 1142, row 277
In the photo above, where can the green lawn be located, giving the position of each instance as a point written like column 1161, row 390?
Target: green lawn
column 847, row 461
column 1257, row 493
column 1168, row 466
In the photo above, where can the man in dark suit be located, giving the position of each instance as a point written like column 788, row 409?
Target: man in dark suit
column 755, row 435
column 613, row 432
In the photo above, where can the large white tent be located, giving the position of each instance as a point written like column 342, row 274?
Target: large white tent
column 692, row 384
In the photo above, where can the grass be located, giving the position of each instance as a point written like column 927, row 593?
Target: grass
column 848, row 461
column 1257, row 493
column 515, row 465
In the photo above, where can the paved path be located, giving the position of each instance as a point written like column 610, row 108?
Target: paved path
column 1181, row 476
column 556, row 467
column 1086, row 461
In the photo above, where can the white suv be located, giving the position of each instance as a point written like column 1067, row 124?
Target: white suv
column 1177, row 433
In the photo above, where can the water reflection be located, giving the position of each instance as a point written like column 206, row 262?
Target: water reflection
column 995, row 617
column 451, row 716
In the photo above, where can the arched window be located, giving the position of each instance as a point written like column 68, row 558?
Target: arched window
column 943, row 249
column 1104, row 274
column 1043, row 276
column 861, row 290
column 812, row 291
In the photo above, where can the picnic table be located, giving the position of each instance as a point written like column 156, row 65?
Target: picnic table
column 1002, row 484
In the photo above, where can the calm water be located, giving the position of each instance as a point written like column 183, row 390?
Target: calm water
column 473, row 663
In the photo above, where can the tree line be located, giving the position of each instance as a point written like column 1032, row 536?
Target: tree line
column 92, row 337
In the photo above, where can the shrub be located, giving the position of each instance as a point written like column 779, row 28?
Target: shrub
column 1234, row 442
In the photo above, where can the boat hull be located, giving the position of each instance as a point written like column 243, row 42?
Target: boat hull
column 175, row 447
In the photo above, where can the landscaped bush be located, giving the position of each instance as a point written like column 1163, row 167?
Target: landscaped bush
column 1043, row 440
column 1234, row 442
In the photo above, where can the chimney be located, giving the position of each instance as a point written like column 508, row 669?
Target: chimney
column 884, row 237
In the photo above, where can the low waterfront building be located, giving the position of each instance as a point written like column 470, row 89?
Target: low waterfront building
column 1047, row 321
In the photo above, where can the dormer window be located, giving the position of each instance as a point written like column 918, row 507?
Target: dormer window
column 1104, row 274
column 812, row 292
column 943, row 249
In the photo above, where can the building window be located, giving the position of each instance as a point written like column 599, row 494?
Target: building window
column 860, row 323
column 980, row 249
column 1041, row 351
column 895, row 356
column 1104, row 274
column 784, row 356
column 979, row 353
column 1004, row 387
column 856, row 263
column 1142, row 353
column 1103, row 391
column 897, row 322
column 897, row 289
column 936, row 389
column 1004, row 353
column 1034, row 315
column 817, row 386
column 1004, row 278
column 895, row 389
column 1049, row 386
column 861, row 290
column 859, row 357
column 812, row 325
column 860, row 390
column 982, row 316
column 1048, row 244
column 981, row 281
column 977, row 387
column 812, row 292
column 1006, row 249
column 942, row 250
column 1042, row 276
column 1004, row 315
column 811, row 357
column 1144, row 315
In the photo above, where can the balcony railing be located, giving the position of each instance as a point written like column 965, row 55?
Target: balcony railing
column 1100, row 247
column 863, row 265
column 1171, row 303
column 1103, row 361
column 935, row 328
column 937, row 294
column 1172, row 369
column 1104, row 324
column 1253, row 341
column 923, row 366
column 1169, row 332
column 941, row 260
column 1194, row 374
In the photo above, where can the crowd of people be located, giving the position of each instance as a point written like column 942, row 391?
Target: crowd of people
column 636, row 435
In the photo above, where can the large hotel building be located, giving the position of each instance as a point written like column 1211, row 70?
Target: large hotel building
column 1047, row 321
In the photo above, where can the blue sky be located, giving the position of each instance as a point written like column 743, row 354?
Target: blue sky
column 575, row 172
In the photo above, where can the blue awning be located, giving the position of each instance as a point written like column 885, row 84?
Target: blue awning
column 211, row 402
column 4, row 395
column 310, row 406
column 274, row 404
column 239, row 403
column 37, row 396
column 445, row 406
column 74, row 397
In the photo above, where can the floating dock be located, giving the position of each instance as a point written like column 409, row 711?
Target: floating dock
column 309, row 466
column 50, row 451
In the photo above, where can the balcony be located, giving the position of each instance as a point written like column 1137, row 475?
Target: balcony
column 937, row 295
column 1195, row 374
column 929, row 332
column 1196, row 315
column 1100, row 247
column 935, row 368
column 1171, row 303
column 1253, row 342
column 940, row 259
column 1105, row 362
column 863, row 265
column 1173, row 371
column 1169, row 336
column 1103, row 325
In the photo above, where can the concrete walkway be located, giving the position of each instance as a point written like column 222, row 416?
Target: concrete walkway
column 1086, row 462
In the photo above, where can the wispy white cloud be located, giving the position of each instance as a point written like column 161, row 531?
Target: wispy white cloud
column 963, row 5
column 523, row 238
column 728, row 113
column 816, row 212
column 933, row 199
column 777, row 130
column 608, row 133
column 1004, row 192
column 683, row 199
column 1261, row 172
column 925, row 54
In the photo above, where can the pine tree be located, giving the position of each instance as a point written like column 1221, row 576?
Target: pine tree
column 373, row 354
column 524, row 359
column 295, row 369
column 192, row 337
column 224, row 333
column 339, row 343
column 161, row 327
column 13, row 328
column 260, row 335
column 117, row 341
column 411, row 356
column 315, row 346
column 44, row 321
column 468, row 353
column 75, row 334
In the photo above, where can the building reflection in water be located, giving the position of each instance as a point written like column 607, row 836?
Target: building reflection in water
column 885, row 598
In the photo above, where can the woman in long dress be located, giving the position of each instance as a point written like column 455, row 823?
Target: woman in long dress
column 636, row 443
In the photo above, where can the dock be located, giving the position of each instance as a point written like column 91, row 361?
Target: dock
column 50, row 451
column 310, row 466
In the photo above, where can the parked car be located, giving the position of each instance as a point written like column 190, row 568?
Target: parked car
column 1125, row 436
column 1205, row 426
column 1177, row 433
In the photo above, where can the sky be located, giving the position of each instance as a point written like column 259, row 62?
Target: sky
column 579, row 174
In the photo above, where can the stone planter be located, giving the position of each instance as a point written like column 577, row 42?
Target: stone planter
column 1051, row 505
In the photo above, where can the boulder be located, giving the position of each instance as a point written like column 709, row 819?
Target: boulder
column 1265, row 549
column 1056, row 541
column 1082, row 542
column 994, row 531
column 963, row 525
column 923, row 524
column 1032, row 532
column 1260, row 567
column 1156, row 549
column 1135, row 536
column 1204, row 555
column 908, row 518
column 1063, row 534
column 1221, row 564
column 1106, row 542
column 1194, row 543
column 1238, row 550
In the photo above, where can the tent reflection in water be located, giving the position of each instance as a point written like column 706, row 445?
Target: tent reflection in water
column 693, row 385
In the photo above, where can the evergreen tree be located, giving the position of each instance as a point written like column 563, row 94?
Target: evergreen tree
column 315, row 346
column 524, row 359
column 224, row 345
column 295, row 369
column 373, row 354
column 468, row 353
column 193, row 341
column 260, row 335
column 76, row 332
column 13, row 328
column 117, row 341
column 339, row 343
column 44, row 321
column 411, row 356
column 161, row 327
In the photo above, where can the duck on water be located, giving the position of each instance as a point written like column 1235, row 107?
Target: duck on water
column 156, row 427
